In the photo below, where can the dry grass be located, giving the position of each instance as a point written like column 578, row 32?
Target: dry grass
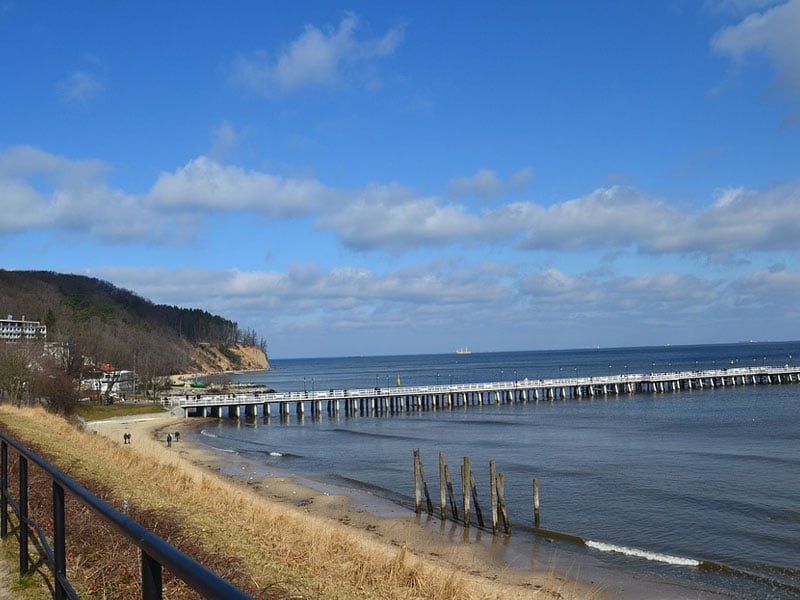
column 271, row 550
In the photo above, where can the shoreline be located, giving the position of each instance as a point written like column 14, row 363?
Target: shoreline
column 532, row 567
column 362, row 513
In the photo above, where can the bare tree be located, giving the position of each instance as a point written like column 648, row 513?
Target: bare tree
column 18, row 364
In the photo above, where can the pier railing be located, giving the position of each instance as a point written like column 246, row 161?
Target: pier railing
column 400, row 399
column 156, row 554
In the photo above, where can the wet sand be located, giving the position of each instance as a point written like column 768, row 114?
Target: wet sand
column 530, row 568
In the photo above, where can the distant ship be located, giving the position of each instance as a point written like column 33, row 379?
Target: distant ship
column 463, row 351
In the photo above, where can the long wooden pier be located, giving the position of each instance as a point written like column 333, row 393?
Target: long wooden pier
column 396, row 400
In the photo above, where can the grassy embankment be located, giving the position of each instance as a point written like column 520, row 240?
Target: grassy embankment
column 271, row 550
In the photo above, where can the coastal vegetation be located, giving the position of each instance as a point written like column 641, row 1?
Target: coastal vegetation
column 272, row 550
column 93, row 325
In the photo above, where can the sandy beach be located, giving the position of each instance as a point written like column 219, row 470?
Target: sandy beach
column 475, row 553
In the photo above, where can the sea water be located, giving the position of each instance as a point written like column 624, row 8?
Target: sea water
column 663, row 484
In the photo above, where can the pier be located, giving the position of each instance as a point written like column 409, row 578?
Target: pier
column 398, row 400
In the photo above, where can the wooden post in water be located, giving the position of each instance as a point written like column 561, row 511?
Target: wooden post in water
column 450, row 493
column 493, row 494
column 417, row 492
column 425, row 488
column 536, row 521
column 474, row 488
column 442, row 487
column 465, row 469
column 501, row 500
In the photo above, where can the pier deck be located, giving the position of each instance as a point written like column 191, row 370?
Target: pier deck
column 394, row 400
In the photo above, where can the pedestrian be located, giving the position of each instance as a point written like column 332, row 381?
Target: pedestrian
column 169, row 440
column 177, row 436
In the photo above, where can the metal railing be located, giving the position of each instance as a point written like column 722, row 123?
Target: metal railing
column 156, row 554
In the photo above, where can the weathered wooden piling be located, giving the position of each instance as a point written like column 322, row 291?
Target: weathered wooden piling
column 465, row 492
column 501, row 501
column 417, row 490
column 536, row 520
column 450, row 493
column 478, row 513
column 442, row 488
column 493, row 494
column 428, row 502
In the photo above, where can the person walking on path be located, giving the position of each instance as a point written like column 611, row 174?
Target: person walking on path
column 169, row 440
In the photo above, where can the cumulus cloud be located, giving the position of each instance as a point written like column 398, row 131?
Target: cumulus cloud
column 606, row 218
column 207, row 184
column 740, row 220
column 393, row 217
column 773, row 34
column 39, row 190
column 307, row 297
column 318, row 57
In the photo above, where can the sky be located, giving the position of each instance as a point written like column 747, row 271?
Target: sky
column 382, row 178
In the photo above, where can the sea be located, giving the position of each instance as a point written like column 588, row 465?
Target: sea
column 692, row 494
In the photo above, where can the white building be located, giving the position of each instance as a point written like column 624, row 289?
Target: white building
column 110, row 382
column 12, row 329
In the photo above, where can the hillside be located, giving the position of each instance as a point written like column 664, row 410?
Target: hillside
column 93, row 320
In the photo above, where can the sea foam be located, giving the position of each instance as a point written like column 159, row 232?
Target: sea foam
column 665, row 558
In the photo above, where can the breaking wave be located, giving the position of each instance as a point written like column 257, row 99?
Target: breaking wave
column 655, row 556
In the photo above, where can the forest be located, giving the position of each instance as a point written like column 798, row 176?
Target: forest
column 92, row 321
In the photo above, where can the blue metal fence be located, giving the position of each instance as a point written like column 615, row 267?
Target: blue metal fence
column 156, row 554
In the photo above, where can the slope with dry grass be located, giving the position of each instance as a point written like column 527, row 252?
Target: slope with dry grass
column 271, row 550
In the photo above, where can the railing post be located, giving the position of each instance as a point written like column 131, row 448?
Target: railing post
column 23, row 515
column 59, row 541
column 4, row 486
column 151, row 578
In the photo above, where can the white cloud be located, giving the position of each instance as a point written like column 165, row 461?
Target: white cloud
column 318, row 57
column 39, row 190
column 494, row 301
column 615, row 217
column 774, row 33
column 43, row 191
column 392, row 217
column 206, row 184
column 740, row 221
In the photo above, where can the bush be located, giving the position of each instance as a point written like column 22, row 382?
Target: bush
column 57, row 390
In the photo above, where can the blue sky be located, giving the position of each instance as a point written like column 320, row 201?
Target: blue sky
column 381, row 178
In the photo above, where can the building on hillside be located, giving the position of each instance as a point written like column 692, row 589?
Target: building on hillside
column 105, row 379
column 12, row 329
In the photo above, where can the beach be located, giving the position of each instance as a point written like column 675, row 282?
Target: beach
column 378, row 521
